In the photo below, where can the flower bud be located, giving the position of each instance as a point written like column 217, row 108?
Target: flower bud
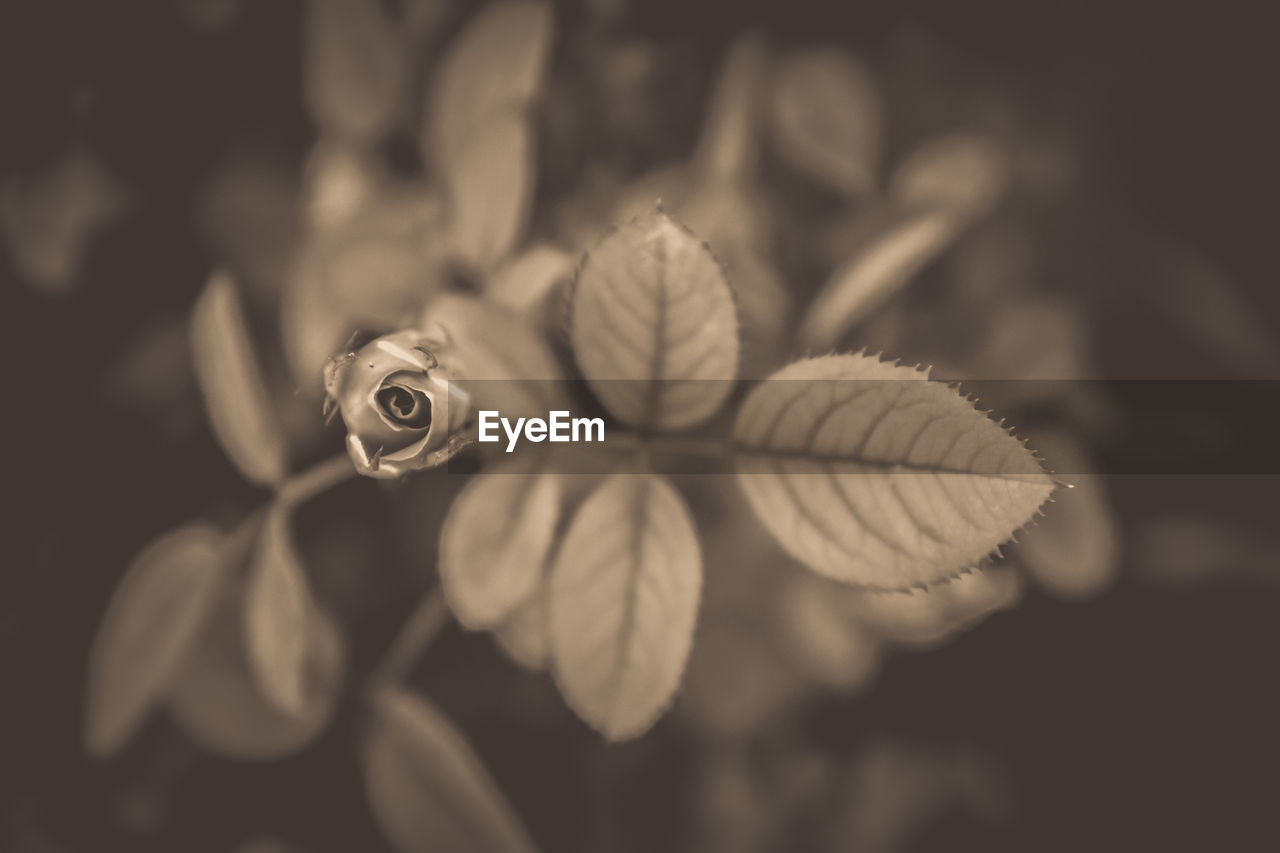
column 401, row 410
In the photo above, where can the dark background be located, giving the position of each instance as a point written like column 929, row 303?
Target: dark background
column 1144, row 720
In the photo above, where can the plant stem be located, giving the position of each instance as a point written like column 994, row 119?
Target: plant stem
column 422, row 627
column 316, row 479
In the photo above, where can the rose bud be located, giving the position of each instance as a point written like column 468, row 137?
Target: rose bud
column 402, row 412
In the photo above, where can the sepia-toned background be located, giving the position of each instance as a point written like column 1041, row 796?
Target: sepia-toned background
column 1115, row 690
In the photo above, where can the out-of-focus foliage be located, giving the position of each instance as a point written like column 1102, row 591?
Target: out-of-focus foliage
column 158, row 609
column 427, row 789
column 803, row 210
column 235, row 394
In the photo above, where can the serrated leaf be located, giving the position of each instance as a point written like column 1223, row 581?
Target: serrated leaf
column 889, row 253
column 356, row 63
column 623, row 603
column 490, row 185
column 528, row 281
column 825, row 119
column 216, row 700
column 651, row 306
column 278, row 608
column 154, row 615
column 872, row 476
column 523, row 636
column 428, row 789
column 496, row 65
column 500, row 358
column 727, row 147
column 495, row 541
column 235, row 394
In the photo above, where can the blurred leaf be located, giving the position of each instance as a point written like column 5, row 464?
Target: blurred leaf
column 248, row 217
column 736, row 222
column 428, row 789
column 728, row 146
column 1074, row 550
column 870, row 475
column 355, row 68
column 495, row 541
column 1211, row 310
column 897, row 788
column 888, row 253
column 827, row 642
column 523, row 637
column 623, row 604
column 490, row 185
column 528, row 282
column 825, row 120
column 235, row 394
column 965, row 173
column 739, row 680
column 216, row 699
column 495, row 66
column 48, row 219
column 340, row 180
column 373, row 271
column 496, row 355
column 651, row 305
column 154, row 615
column 278, row 608
column 922, row 618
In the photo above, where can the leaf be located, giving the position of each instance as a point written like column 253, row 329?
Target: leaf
column 231, row 382
column 490, row 185
column 651, row 305
column 888, row 255
column 356, row 66
column 496, row 65
column 727, row 148
column 623, row 603
column 427, row 788
column 278, row 608
column 523, row 637
column 216, row 700
column 965, row 173
column 156, row 611
column 527, row 282
column 496, row 355
column 872, row 476
column 494, row 543
column 825, row 120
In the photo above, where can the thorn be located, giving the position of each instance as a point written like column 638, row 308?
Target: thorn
column 375, row 460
